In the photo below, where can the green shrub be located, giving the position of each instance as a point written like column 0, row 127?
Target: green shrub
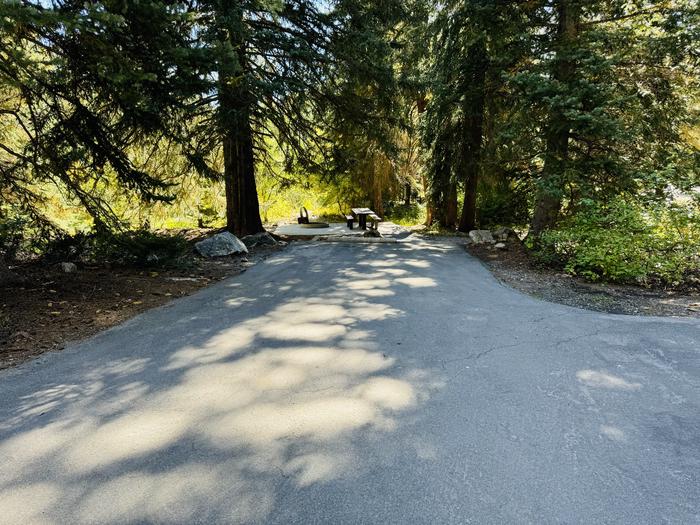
column 11, row 235
column 405, row 215
column 140, row 248
column 624, row 242
column 23, row 234
column 502, row 205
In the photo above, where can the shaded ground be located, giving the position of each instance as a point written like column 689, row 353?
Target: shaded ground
column 48, row 307
column 378, row 383
column 515, row 268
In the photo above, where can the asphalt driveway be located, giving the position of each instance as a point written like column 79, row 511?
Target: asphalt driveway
column 359, row 384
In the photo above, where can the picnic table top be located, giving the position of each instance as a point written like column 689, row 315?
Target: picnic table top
column 362, row 211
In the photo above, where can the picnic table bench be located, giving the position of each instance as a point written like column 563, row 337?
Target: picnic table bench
column 375, row 220
column 362, row 214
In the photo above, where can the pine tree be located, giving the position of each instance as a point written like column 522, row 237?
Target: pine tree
column 82, row 83
column 211, row 76
column 474, row 42
column 611, row 83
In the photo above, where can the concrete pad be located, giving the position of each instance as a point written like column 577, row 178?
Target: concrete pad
column 357, row 239
column 297, row 230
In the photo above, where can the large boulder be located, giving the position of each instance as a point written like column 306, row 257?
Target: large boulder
column 481, row 237
column 220, row 245
column 259, row 239
column 505, row 234
column 68, row 267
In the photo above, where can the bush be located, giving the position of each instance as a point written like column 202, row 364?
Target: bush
column 624, row 242
column 140, row 248
column 24, row 234
column 405, row 215
column 502, row 205
column 11, row 236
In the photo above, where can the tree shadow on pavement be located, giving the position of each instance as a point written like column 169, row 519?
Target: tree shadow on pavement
column 211, row 408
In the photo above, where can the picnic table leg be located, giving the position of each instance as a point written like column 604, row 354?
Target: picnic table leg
column 363, row 221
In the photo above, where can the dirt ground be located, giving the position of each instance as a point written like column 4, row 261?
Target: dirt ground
column 516, row 268
column 48, row 308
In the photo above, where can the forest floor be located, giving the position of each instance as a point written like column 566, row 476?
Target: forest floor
column 516, row 268
column 48, row 308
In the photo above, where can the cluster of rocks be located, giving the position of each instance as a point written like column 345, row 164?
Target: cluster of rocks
column 261, row 239
column 497, row 238
column 226, row 243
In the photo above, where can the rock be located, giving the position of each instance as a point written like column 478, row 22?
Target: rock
column 481, row 236
column 69, row 267
column 152, row 258
column 259, row 239
column 505, row 234
column 501, row 245
column 220, row 245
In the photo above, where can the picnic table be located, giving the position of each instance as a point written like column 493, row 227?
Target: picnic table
column 362, row 214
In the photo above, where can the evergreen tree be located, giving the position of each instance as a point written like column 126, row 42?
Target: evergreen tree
column 612, row 84
column 81, row 84
column 474, row 42
column 212, row 76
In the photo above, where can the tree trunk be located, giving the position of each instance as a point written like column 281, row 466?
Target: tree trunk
column 450, row 218
column 549, row 195
column 446, row 202
column 377, row 199
column 235, row 102
column 429, row 213
column 407, row 194
column 242, row 206
column 473, row 132
column 442, row 198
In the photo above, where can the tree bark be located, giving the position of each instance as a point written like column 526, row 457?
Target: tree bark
column 449, row 220
column 443, row 196
column 473, row 131
column 429, row 208
column 549, row 195
column 407, row 194
column 242, row 206
column 377, row 199
column 235, row 103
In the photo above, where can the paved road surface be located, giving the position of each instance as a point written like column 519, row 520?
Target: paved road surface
column 359, row 384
